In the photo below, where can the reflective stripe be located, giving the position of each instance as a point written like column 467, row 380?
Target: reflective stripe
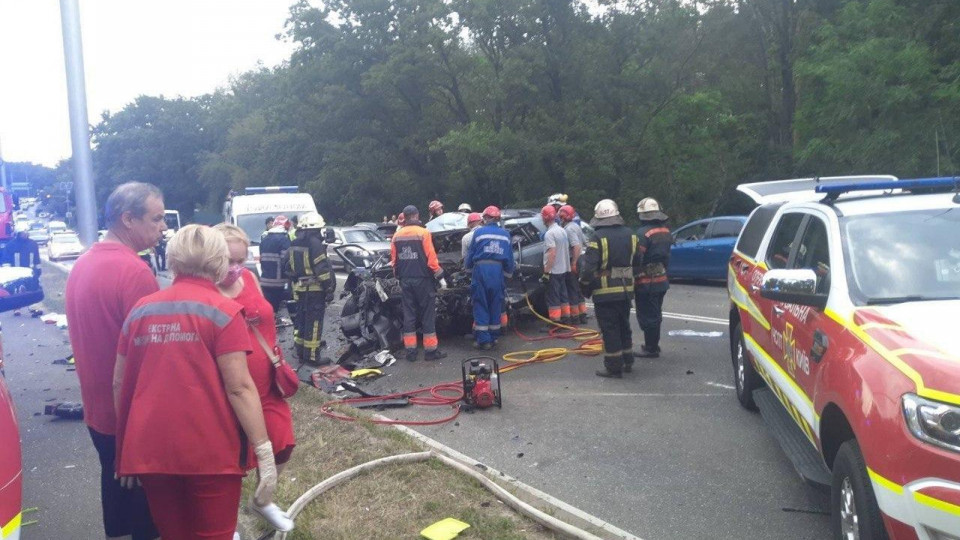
column 604, row 254
column 783, row 385
column 612, row 355
column 487, row 261
column 269, row 257
column 410, row 341
column 614, row 290
column 430, row 342
column 658, row 230
column 504, row 320
column 492, row 237
column 13, row 526
column 179, row 307
column 908, row 505
column 480, row 328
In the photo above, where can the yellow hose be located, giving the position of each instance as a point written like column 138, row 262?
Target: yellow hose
column 592, row 345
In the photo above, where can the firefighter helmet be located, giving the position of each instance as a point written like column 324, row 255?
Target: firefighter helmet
column 649, row 210
column 464, row 207
column 557, row 200
column 606, row 209
column 311, row 220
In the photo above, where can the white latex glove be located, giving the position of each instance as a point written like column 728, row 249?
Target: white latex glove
column 443, row 283
column 268, row 474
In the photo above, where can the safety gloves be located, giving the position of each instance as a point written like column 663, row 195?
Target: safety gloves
column 545, row 279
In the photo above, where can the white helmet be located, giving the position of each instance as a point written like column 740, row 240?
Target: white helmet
column 464, row 207
column 649, row 209
column 311, row 220
column 557, row 199
column 606, row 209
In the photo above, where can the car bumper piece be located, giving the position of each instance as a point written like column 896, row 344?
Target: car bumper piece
column 933, row 517
column 11, row 530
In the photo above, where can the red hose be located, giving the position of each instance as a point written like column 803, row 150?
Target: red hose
column 435, row 398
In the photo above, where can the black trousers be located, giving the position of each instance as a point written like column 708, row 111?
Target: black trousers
column 650, row 316
column 161, row 258
column 276, row 296
column 614, row 320
column 419, row 306
column 125, row 511
column 308, row 325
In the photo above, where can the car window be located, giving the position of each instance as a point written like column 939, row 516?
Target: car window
column 726, row 228
column 756, row 229
column 814, row 253
column 691, row 232
column 365, row 235
column 778, row 252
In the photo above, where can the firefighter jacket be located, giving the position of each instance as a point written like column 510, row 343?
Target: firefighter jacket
column 22, row 252
column 655, row 243
column 273, row 253
column 307, row 265
column 412, row 254
column 611, row 264
column 491, row 244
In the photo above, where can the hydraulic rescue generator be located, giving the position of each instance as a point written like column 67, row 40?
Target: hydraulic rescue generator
column 481, row 383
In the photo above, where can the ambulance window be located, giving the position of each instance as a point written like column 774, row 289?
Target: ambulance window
column 814, row 253
column 778, row 253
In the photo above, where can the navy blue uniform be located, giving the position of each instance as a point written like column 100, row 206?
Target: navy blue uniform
column 491, row 258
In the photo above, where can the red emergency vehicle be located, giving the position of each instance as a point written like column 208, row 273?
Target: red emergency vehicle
column 7, row 206
column 844, row 302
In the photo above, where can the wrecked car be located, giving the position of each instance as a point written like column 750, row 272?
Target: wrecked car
column 372, row 316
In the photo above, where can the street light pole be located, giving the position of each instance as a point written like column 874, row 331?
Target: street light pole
column 3, row 171
column 79, row 123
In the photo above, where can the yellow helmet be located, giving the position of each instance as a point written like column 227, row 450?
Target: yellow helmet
column 311, row 220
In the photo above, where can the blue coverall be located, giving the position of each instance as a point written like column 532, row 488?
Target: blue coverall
column 491, row 258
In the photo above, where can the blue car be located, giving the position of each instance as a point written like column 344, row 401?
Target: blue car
column 701, row 249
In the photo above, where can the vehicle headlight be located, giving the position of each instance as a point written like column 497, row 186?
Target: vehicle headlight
column 932, row 421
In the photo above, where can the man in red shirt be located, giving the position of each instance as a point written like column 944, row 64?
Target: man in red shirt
column 103, row 286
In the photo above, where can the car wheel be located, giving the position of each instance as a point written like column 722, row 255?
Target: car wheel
column 745, row 377
column 855, row 514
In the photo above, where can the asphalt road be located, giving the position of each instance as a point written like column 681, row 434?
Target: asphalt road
column 666, row 452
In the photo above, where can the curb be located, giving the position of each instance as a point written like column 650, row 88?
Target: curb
column 529, row 494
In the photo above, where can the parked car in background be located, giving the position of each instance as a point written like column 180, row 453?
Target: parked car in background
column 56, row 226
column 362, row 245
column 18, row 288
column 701, row 249
column 64, row 245
column 40, row 236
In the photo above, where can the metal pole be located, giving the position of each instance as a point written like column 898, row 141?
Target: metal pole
column 3, row 171
column 79, row 124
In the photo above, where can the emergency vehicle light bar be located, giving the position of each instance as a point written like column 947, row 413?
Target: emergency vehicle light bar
column 832, row 191
column 269, row 189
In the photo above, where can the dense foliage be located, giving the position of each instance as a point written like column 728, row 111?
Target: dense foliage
column 390, row 102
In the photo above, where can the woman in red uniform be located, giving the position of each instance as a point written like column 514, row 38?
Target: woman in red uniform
column 187, row 408
column 242, row 286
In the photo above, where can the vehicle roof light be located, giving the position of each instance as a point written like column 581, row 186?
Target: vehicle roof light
column 833, row 191
column 269, row 189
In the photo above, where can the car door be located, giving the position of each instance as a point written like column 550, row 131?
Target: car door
column 684, row 254
column 716, row 248
column 803, row 326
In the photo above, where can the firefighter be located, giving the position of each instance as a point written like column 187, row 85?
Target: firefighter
column 313, row 285
column 491, row 258
column 415, row 264
column 22, row 251
column 557, row 200
column 610, row 265
column 464, row 208
column 578, row 306
column 436, row 209
column 652, row 284
column 556, row 264
column 273, row 248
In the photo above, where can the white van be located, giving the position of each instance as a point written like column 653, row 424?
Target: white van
column 250, row 210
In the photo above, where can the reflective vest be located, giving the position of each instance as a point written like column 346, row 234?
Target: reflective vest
column 611, row 263
column 412, row 253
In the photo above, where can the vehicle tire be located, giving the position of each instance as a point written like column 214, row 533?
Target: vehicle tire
column 854, row 509
column 745, row 377
column 349, row 307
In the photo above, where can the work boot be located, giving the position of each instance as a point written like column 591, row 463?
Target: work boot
column 609, row 374
column 435, row 354
column 566, row 321
column 628, row 362
column 486, row 346
column 647, row 353
column 411, row 355
column 583, row 318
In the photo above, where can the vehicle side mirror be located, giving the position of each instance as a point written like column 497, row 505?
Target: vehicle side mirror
column 329, row 236
column 793, row 287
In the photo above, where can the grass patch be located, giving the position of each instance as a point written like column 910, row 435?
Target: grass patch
column 395, row 502
column 54, row 283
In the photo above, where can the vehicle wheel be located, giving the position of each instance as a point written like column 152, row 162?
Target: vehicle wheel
column 349, row 307
column 855, row 514
column 745, row 378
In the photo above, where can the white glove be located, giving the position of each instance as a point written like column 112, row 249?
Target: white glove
column 127, row 482
column 268, row 474
column 443, row 283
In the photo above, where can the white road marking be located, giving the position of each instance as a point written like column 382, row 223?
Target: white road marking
column 630, row 394
column 718, row 385
column 686, row 317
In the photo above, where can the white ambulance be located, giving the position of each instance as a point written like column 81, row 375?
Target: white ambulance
column 250, row 209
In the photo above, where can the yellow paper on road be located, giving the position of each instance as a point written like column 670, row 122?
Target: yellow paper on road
column 445, row 529
column 370, row 372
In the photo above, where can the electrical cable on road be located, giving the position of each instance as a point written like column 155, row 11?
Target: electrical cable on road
column 451, row 393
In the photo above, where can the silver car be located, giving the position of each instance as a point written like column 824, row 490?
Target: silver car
column 362, row 245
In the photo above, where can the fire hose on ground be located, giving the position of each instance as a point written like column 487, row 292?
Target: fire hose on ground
column 508, row 498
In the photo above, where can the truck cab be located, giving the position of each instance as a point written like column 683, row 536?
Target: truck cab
column 843, row 302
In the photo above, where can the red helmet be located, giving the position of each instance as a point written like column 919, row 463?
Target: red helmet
column 435, row 205
column 566, row 212
column 281, row 221
column 491, row 212
column 548, row 213
column 401, row 219
column 473, row 217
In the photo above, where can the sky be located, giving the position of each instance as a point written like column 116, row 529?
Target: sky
column 130, row 48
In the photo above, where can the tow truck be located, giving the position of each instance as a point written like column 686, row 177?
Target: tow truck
column 844, row 295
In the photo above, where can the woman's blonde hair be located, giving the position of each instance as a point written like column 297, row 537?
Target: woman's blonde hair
column 198, row 250
column 232, row 232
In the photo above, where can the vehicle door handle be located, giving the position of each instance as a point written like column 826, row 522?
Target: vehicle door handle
column 778, row 311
